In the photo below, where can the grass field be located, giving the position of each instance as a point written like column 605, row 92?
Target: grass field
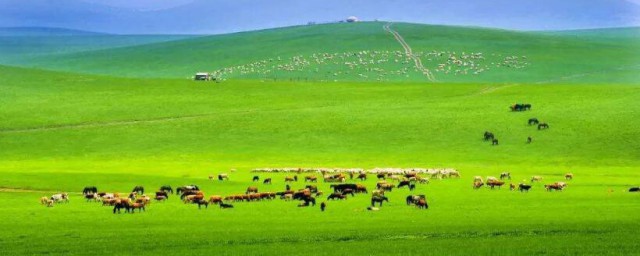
column 60, row 132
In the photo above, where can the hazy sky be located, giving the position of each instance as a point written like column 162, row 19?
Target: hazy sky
column 223, row 16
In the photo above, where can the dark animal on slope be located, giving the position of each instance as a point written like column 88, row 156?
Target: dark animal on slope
column 381, row 176
column 422, row 204
column 554, row 186
column 340, row 187
column 634, row 189
column 543, row 126
column 533, row 121
column 411, row 199
column 361, row 189
column 138, row 189
column 223, row 176
column 404, row 183
column 323, row 205
column 312, row 188
column 93, row 197
column 412, row 187
column 309, row 201
column 121, row 205
column 505, row 175
column 255, row 178
column 378, row 199
column 89, row 190
column 348, row 191
column 310, row 178
column 362, row 176
column 183, row 189
column 162, row 193
column 266, row 181
column 134, row 206
column 202, row 202
column 252, row 190
column 495, row 183
column 488, row 136
column 494, row 142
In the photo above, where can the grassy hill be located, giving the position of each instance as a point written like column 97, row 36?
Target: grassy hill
column 77, row 130
column 297, row 53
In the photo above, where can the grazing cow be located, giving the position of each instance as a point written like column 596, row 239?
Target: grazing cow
column 287, row 197
column 488, row 136
column 412, row 187
column 524, row 187
column 561, row 184
column 266, row 181
column 411, row 199
column 496, row 183
column 494, row 142
column 252, row 190
column 215, row 199
column 478, row 179
column 340, row 187
column 62, row 197
column 202, row 202
column 362, row 176
column 310, row 178
column 422, row 204
column 121, row 205
column 505, row 175
column 46, row 201
column 533, row 121
column 378, row 199
column 255, row 178
column 166, row 188
column 543, row 126
column 89, row 190
column 536, row 178
column 225, row 206
column 491, row 178
column 93, row 196
column 183, row 189
column 348, row 191
column 323, row 206
column 554, row 186
column 134, row 206
column 336, row 196
column 386, row 186
column 138, row 189
column 404, row 183
column 309, row 201
column 478, row 184
column 223, row 176
column 568, row 176
column 529, row 140
column 512, row 187
column 361, row 189
column 162, row 193
column 424, row 180
column 634, row 189
column 110, row 202
column 454, row 174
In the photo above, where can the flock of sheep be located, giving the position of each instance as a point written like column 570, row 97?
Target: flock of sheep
column 374, row 65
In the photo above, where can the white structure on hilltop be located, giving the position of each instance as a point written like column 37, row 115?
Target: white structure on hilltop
column 352, row 19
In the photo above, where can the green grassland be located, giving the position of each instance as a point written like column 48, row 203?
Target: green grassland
column 101, row 122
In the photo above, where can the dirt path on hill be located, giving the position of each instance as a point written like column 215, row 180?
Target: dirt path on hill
column 407, row 50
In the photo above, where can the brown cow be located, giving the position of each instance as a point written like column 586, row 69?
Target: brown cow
column 495, row 183
column 478, row 184
column 215, row 199
column 554, row 186
column 252, row 190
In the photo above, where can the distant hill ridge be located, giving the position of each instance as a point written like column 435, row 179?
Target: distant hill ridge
column 44, row 31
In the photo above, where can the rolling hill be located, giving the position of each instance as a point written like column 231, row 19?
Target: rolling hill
column 368, row 53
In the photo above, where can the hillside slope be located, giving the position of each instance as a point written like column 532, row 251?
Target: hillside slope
column 365, row 52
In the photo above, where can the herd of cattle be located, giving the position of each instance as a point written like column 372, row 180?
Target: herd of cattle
column 307, row 196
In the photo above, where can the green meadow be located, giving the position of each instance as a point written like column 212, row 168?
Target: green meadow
column 127, row 114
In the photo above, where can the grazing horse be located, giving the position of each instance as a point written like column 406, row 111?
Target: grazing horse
column 505, row 175
column 533, row 121
column 252, row 190
column 488, row 136
column 266, row 181
column 568, row 176
column 378, row 199
column 166, row 188
column 255, row 178
column 90, row 190
column 524, row 187
column 634, row 189
column 138, row 189
column 494, row 142
column 543, row 126
column 225, row 206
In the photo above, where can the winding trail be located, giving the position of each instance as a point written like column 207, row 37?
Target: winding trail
column 409, row 52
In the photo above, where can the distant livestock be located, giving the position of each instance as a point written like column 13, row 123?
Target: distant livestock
column 520, row 107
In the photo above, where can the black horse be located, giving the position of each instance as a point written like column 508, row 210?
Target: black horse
column 89, row 190
column 309, row 201
column 266, row 181
column 533, row 121
column 166, row 188
column 378, row 199
column 494, row 142
column 255, row 178
column 488, row 136
column 543, row 126
column 138, row 189
column 524, row 187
